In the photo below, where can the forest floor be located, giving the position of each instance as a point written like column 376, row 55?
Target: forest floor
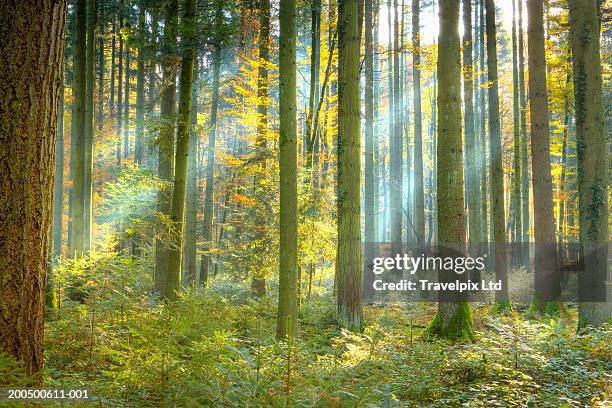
column 216, row 348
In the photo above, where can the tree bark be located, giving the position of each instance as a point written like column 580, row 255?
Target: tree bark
column 140, row 97
column 188, row 41
column 165, row 169
column 395, row 160
column 592, row 163
column 349, row 272
column 210, row 159
column 31, row 56
column 419, row 195
column 453, row 319
column 547, row 285
column 516, row 163
column 497, row 171
column 287, row 323
column 90, row 72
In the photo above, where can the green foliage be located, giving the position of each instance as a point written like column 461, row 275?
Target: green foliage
column 216, row 347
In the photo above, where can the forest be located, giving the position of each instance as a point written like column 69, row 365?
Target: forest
column 198, row 197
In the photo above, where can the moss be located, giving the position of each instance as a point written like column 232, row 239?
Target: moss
column 458, row 329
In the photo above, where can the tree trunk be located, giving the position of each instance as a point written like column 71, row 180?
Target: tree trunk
column 210, row 159
column 471, row 156
column 258, row 283
column 165, row 169
column 191, row 204
column 90, row 68
column 349, row 272
column 188, row 42
column 79, row 85
column 58, row 191
column 516, row 168
column 454, row 318
column 497, row 172
column 523, row 130
column 419, row 195
column 286, row 324
column 395, row 170
column 111, row 101
column 31, row 54
column 547, row 285
column 484, row 214
column 119, row 123
column 140, row 97
column 101, row 70
column 595, row 306
column 370, row 164
column 126, row 103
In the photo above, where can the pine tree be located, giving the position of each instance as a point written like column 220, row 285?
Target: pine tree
column 419, row 200
column 454, row 318
column 287, row 323
column 349, row 272
column 27, row 161
column 594, row 308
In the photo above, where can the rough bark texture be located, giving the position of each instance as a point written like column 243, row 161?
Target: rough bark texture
column 516, row 224
column 523, row 130
column 454, row 319
column 592, row 161
column 547, row 285
column 31, row 56
column 165, row 169
column 287, row 289
column 349, row 272
column 140, row 97
column 495, row 152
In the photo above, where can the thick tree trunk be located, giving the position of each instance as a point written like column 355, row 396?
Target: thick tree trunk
column 165, row 169
column 348, row 256
column 454, row 319
column 497, row 172
column 287, row 324
column 484, row 214
column 31, row 56
column 547, row 285
column 595, row 306
column 188, row 42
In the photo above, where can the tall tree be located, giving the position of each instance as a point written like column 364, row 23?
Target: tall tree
column 140, row 85
column 79, row 88
column 188, row 43
column 370, row 164
column 258, row 283
column 547, row 285
column 126, row 92
column 395, row 159
column 90, row 69
column 101, row 67
column 58, row 190
column 119, row 105
column 31, row 54
column 515, row 205
column 454, row 318
column 484, row 214
column 419, row 195
column 523, row 134
column 349, row 272
column 592, row 162
column 191, row 196
column 210, row 158
column 495, row 152
column 471, row 157
column 165, row 165
column 288, row 275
